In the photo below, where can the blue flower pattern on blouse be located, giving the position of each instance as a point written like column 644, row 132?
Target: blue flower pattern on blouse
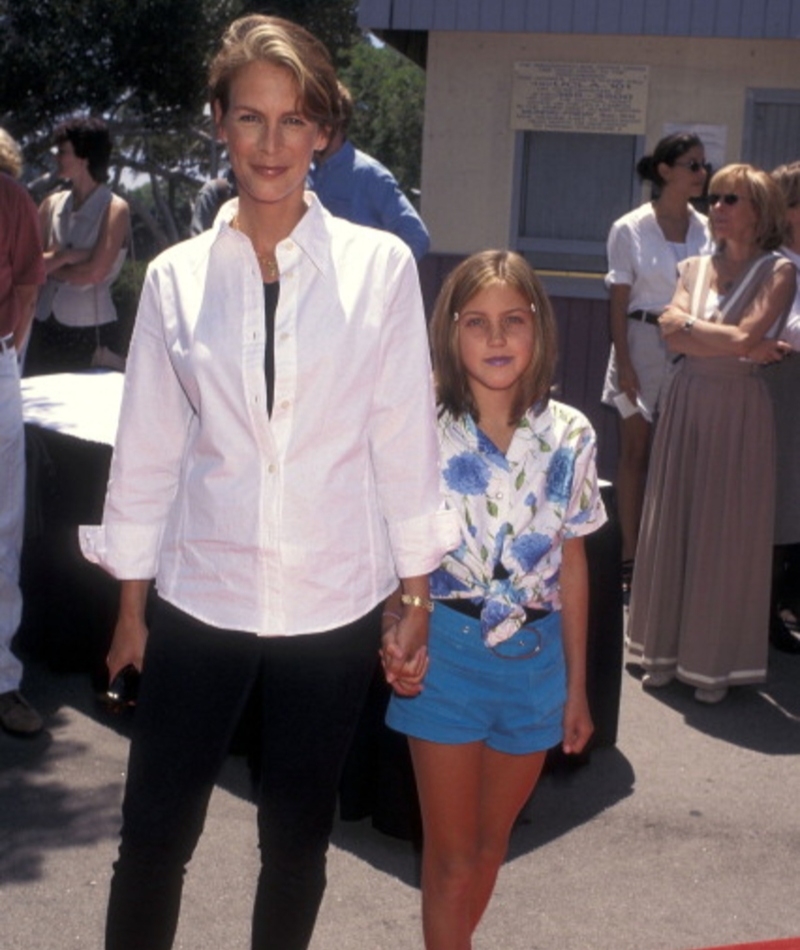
column 559, row 476
column 529, row 549
column 467, row 474
column 515, row 510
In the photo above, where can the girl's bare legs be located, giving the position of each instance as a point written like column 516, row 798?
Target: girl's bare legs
column 470, row 797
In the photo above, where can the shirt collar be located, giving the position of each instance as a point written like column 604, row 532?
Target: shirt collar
column 310, row 234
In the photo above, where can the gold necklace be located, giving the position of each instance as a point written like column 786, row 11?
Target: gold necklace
column 268, row 262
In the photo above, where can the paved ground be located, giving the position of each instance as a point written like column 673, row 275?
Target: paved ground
column 686, row 834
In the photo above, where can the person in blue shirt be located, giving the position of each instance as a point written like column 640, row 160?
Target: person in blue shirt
column 355, row 186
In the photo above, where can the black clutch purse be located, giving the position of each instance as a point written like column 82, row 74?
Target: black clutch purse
column 123, row 690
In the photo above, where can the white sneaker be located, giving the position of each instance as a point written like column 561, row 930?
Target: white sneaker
column 657, row 678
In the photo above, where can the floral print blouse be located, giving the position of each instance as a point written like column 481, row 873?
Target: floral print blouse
column 515, row 511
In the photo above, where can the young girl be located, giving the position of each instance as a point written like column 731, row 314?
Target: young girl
column 505, row 679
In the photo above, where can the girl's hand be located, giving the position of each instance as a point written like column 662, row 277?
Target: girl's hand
column 578, row 725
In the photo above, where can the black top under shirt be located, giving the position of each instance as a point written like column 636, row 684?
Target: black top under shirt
column 271, row 292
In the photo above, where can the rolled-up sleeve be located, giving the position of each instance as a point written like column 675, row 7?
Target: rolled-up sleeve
column 621, row 258
column 148, row 451
column 403, row 437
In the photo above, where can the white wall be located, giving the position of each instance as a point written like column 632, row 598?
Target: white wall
column 468, row 147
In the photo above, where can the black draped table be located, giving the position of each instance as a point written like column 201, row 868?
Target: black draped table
column 69, row 604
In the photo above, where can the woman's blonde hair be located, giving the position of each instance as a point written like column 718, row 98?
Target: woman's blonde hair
column 269, row 39
column 10, row 155
column 767, row 199
column 471, row 276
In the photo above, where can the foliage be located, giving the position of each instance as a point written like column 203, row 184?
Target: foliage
column 142, row 65
column 389, row 102
column 125, row 293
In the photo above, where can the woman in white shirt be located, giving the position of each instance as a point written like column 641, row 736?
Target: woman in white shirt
column 644, row 249
column 276, row 471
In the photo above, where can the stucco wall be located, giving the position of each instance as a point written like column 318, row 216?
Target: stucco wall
column 468, row 153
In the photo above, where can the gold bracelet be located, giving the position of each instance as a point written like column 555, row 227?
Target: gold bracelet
column 414, row 600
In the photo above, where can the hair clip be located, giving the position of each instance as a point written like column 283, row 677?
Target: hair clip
column 456, row 315
column 533, row 307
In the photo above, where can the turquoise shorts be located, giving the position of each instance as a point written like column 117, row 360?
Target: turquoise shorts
column 512, row 698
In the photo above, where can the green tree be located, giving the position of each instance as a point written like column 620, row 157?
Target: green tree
column 142, row 65
column 389, row 102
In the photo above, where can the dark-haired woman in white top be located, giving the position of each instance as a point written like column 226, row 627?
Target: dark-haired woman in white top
column 644, row 249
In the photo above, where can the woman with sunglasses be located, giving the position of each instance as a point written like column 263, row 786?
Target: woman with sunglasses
column 276, row 471
column 644, row 249
column 700, row 600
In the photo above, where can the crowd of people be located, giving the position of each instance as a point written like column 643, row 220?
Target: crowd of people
column 304, row 494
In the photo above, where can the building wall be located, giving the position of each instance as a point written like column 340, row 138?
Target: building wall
column 469, row 146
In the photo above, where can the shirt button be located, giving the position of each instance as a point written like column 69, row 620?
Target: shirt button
column 284, row 337
column 499, row 495
column 289, row 245
column 272, row 468
column 285, row 404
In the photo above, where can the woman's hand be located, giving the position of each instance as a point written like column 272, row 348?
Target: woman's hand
column 127, row 646
column 578, row 725
column 769, row 351
column 672, row 320
column 130, row 632
column 627, row 379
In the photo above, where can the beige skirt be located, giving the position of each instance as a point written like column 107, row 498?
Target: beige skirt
column 701, row 588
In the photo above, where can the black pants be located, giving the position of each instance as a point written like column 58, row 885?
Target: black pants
column 308, row 691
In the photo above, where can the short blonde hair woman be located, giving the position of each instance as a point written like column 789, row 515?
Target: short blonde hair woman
column 275, row 471
column 701, row 592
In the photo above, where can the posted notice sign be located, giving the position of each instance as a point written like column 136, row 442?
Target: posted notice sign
column 580, row 97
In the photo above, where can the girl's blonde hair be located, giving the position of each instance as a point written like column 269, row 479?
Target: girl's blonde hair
column 766, row 197
column 469, row 278
column 270, row 39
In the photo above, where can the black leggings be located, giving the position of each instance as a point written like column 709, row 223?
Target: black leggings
column 308, row 691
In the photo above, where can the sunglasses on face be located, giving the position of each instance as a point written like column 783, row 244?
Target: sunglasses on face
column 693, row 166
column 729, row 200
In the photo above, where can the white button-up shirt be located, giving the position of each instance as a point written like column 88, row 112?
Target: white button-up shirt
column 301, row 522
column 640, row 256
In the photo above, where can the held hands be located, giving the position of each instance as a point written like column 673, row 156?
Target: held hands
column 404, row 650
